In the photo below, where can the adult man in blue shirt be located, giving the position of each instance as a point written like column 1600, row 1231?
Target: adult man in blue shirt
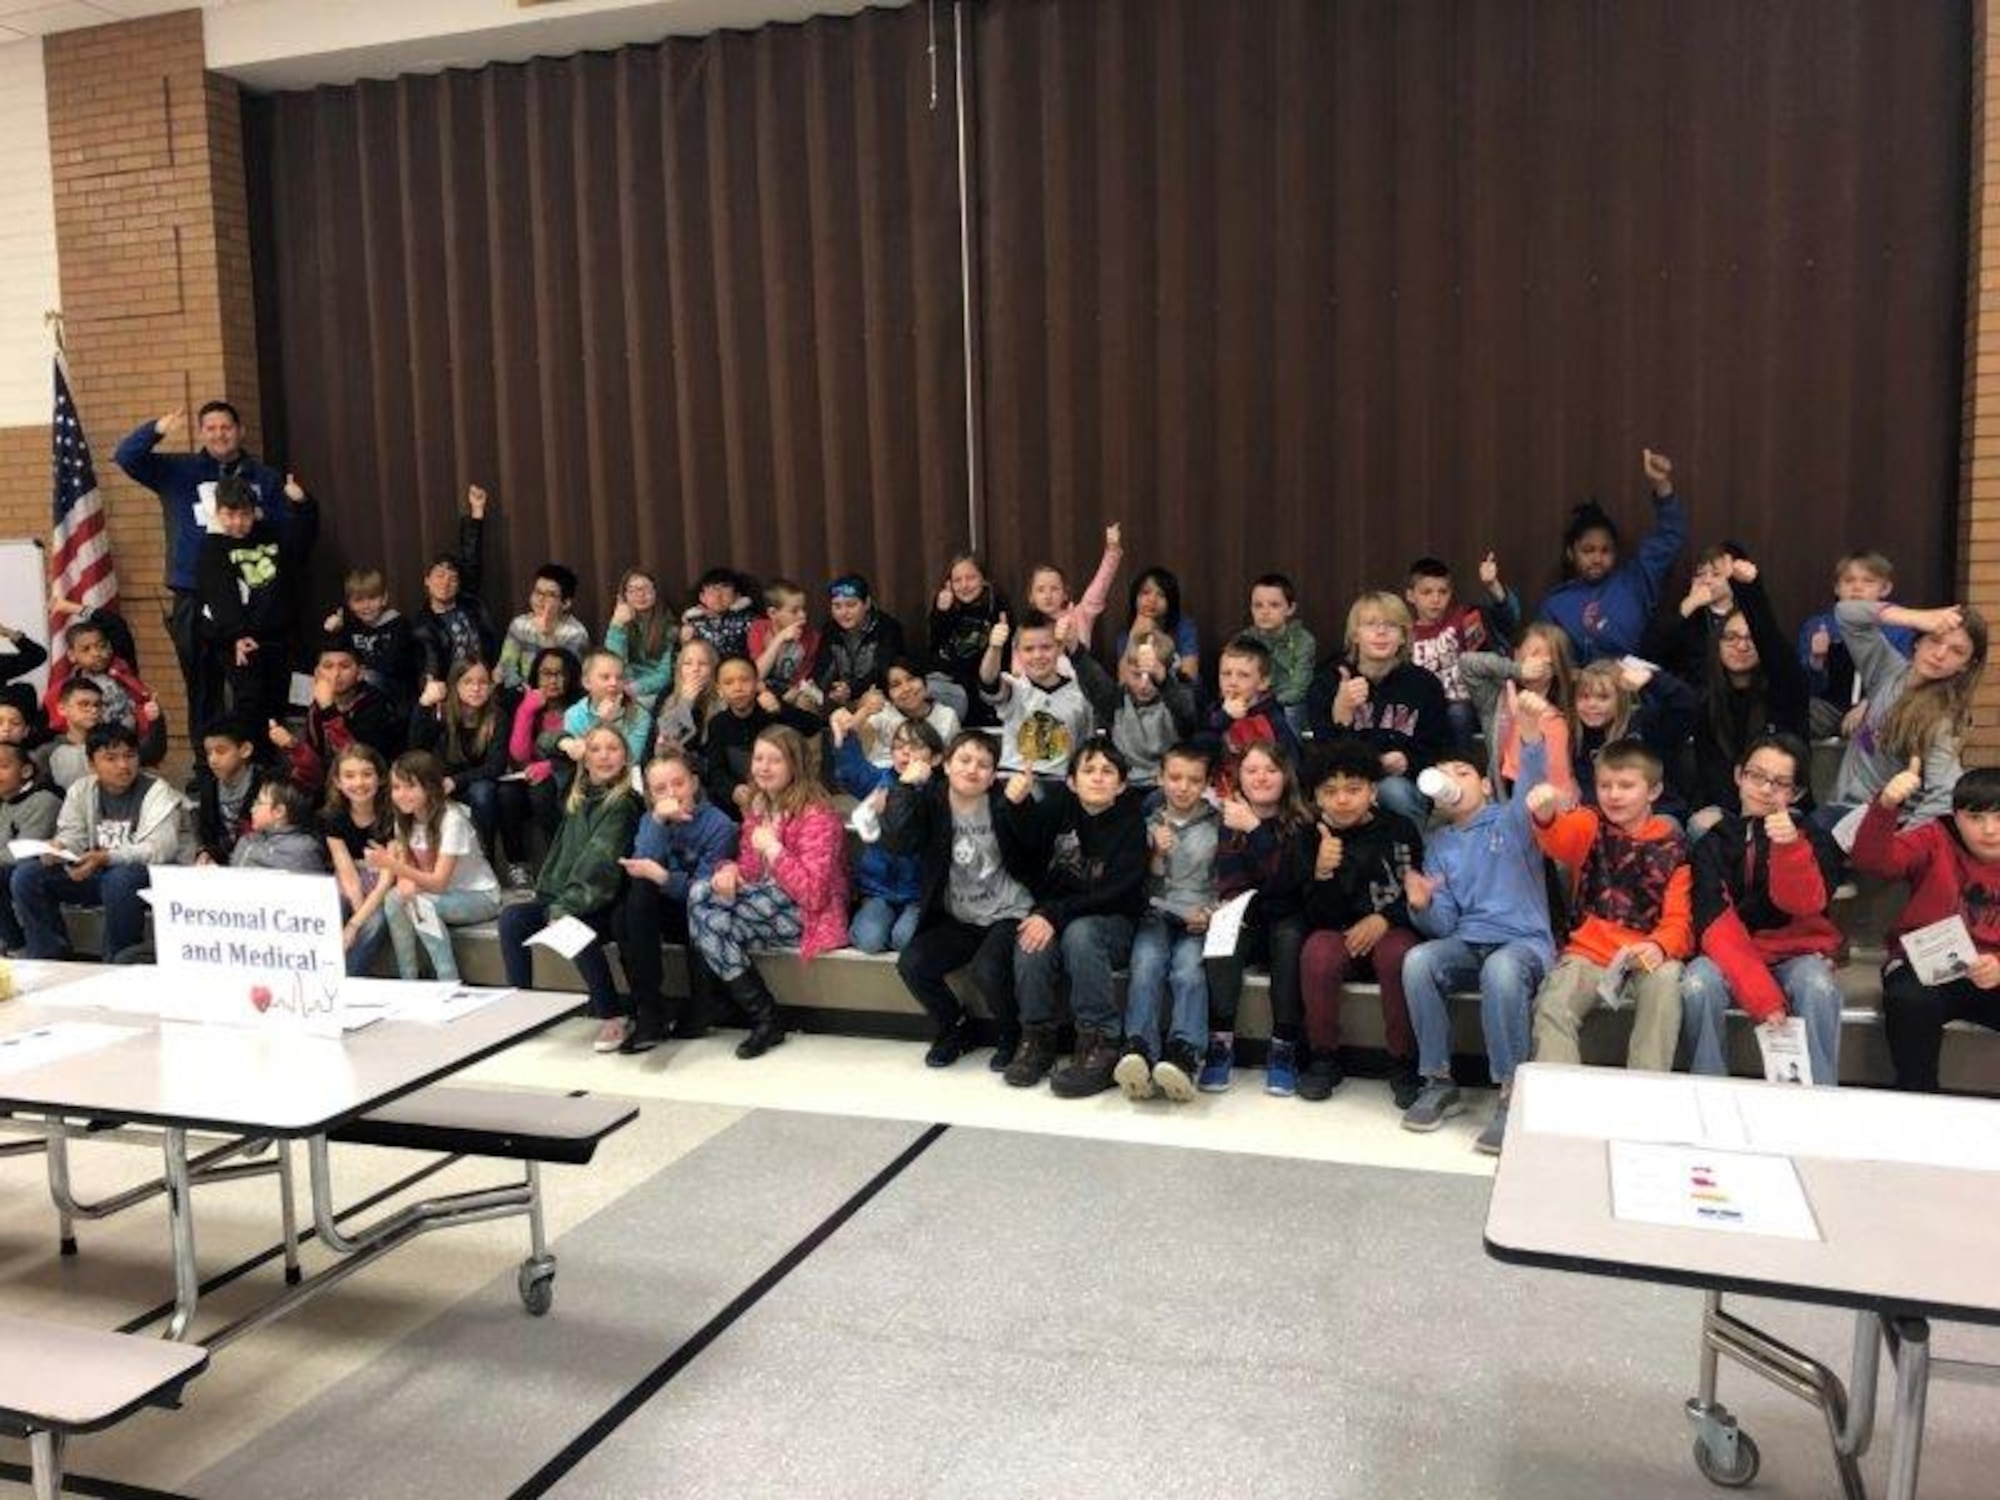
column 185, row 483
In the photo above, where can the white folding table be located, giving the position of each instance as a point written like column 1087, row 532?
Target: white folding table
column 1904, row 1240
column 258, row 1086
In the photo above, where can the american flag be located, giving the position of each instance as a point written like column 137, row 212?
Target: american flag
column 81, row 568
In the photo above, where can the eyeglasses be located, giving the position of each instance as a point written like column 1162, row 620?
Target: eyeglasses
column 1766, row 782
column 1736, row 638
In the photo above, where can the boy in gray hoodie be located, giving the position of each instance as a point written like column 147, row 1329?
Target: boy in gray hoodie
column 1146, row 708
column 1181, row 831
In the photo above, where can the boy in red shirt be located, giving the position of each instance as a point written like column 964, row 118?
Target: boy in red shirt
column 1634, row 904
column 1953, row 868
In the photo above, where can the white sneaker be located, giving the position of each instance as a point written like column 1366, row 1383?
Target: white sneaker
column 611, row 1035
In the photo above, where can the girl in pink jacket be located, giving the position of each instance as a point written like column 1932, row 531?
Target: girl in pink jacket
column 786, row 887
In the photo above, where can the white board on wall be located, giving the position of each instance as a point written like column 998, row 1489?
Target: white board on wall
column 24, row 597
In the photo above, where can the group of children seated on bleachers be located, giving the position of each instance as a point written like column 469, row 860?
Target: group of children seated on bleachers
column 1634, row 827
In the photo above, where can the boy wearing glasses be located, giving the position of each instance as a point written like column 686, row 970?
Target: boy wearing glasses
column 547, row 623
column 1762, row 884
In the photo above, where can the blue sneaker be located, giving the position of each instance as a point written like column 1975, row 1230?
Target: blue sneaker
column 1281, row 1069
column 1218, row 1064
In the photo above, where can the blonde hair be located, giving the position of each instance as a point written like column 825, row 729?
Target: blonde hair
column 1389, row 607
column 1607, row 674
column 581, row 785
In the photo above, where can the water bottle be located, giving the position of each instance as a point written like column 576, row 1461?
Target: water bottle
column 1443, row 790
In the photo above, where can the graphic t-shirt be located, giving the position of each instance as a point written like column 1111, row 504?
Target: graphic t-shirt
column 980, row 892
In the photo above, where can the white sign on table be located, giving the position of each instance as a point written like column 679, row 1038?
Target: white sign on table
column 250, row 947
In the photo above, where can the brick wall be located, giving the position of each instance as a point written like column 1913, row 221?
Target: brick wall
column 153, row 233
column 1979, row 473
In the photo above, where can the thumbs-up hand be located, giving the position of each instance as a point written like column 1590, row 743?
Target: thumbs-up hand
column 1821, row 643
column 1659, row 471
column 915, row 773
column 475, row 502
column 294, row 491
column 1780, row 828
column 172, row 423
column 1489, row 571
column 1148, row 657
column 1905, row 784
column 1352, row 695
column 1020, row 785
column 997, row 637
column 1163, row 837
column 944, row 597
column 1239, row 816
column 1542, row 803
column 1114, row 538
column 1329, row 856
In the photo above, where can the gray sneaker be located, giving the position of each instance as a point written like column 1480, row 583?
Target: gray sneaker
column 1437, row 1103
column 1494, row 1133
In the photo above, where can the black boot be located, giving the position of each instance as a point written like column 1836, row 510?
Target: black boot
column 649, row 1025
column 694, row 1017
column 766, row 1029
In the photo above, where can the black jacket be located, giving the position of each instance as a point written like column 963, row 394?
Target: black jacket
column 1092, row 864
column 860, row 659
column 433, row 640
column 917, row 821
column 1374, row 858
column 1405, row 711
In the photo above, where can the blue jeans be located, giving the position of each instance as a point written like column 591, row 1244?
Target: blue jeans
column 1089, row 950
column 1166, row 958
column 881, row 926
column 523, row 920
column 454, row 909
column 1400, row 795
column 42, row 891
column 1508, row 975
column 1810, row 992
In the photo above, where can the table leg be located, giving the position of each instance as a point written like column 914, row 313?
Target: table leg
column 288, row 1210
column 1857, row 1431
column 180, row 1225
column 1912, row 1352
column 45, row 1464
column 59, row 1188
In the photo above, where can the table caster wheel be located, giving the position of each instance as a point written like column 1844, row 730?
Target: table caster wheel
column 538, row 1287
column 1730, row 1476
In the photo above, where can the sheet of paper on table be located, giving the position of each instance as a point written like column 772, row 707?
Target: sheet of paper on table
column 56, row 1040
column 1612, row 1104
column 1694, row 1187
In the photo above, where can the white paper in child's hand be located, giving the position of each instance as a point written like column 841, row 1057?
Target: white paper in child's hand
column 568, row 936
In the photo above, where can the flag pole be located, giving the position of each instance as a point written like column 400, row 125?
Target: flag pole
column 53, row 321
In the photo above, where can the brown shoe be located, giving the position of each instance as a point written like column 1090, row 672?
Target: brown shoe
column 1033, row 1058
column 1091, row 1071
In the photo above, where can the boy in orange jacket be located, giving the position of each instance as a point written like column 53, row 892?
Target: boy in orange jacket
column 1633, row 897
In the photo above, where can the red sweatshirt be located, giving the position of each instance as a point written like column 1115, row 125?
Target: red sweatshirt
column 1945, row 878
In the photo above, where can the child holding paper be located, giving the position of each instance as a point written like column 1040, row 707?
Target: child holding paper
column 582, row 878
column 1953, row 868
column 117, row 823
column 1762, row 883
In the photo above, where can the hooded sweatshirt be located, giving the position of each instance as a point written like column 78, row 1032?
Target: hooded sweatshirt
column 1095, row 862
column 1488, row 871
column 1757, row 903
column 1181, row 881
column 1607, row 618
column 1945, row 878
column 1375, row 855
column 1629, row 887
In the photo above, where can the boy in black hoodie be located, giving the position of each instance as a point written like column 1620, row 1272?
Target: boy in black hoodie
column 452, row 625
column 383, row 640
column 247, row 578
column 1357, row 918
column 1376, row 691
column 858, row 644
column 1087, row 904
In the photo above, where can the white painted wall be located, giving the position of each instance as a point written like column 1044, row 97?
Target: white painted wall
column 29, row 284
column 291, row 44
